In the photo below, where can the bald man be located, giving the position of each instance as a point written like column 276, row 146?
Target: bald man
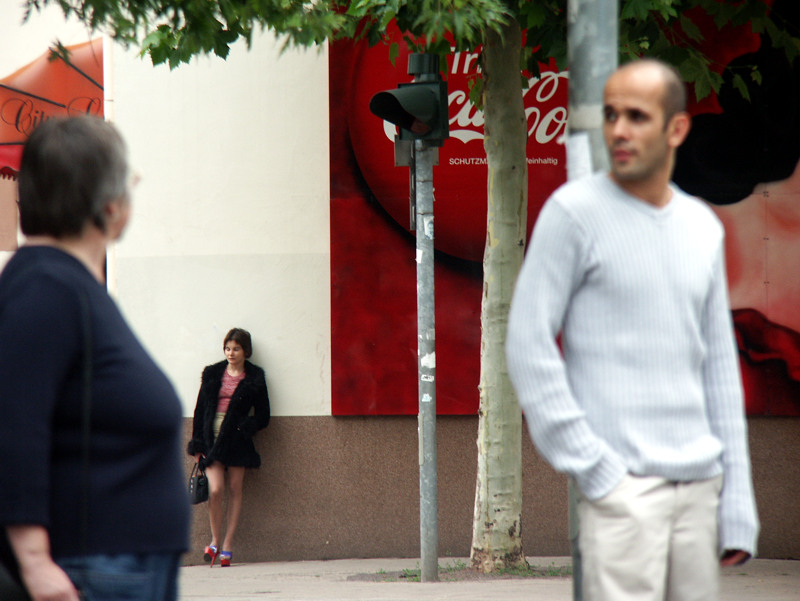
column 642, row 405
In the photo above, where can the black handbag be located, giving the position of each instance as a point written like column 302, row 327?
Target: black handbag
column 11, row 586
column 198, row 485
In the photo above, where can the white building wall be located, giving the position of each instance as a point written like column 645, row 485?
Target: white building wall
column 231, row 218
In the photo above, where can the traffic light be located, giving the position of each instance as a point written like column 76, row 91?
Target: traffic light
column 418, row 108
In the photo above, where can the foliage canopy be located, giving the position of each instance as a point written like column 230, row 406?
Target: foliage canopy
column 174, row 31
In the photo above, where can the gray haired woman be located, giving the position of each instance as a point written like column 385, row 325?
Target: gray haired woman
column 74, row 199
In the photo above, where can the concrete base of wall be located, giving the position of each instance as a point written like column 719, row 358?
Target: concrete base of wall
column 334, row 487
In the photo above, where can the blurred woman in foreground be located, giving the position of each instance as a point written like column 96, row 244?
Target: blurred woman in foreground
column 74, row 199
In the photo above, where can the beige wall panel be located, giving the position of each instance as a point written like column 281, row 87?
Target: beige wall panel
column 183, row 306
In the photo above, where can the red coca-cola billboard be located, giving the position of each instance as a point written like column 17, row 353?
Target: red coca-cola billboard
column 374, row 334
column 460, row 179
column 373, row 269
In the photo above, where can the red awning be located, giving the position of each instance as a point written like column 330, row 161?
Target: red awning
column 52, row 85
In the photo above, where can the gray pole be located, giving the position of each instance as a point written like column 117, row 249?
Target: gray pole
column 592, row 42
column 426, row 360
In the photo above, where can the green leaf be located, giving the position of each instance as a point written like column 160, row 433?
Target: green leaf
column 689, row 71
column 475, row 87
column 635, row 9
column 702, row 88
column 154, row 38
column 695, row 70
column 741, row 86
column 690, row 29
column 534, row 14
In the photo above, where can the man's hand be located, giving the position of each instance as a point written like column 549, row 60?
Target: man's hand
column 734, row 557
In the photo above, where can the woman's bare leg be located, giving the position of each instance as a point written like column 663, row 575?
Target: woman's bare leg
column 235, row 485
column 216, row 490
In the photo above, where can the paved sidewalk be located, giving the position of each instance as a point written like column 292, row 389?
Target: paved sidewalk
column 758, row 580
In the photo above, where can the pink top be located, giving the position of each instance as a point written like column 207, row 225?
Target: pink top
column 229, row 384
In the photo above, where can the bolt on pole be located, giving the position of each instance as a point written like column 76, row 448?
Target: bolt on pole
column 426, row 358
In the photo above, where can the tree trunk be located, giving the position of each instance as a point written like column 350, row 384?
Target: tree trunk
column 496, row 535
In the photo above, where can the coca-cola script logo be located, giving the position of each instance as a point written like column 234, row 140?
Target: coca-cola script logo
column 460, row 179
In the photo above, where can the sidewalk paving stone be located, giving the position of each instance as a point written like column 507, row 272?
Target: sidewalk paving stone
column 349, row 580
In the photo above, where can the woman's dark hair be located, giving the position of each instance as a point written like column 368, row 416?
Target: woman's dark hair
column 71, row 168
column 242, row 337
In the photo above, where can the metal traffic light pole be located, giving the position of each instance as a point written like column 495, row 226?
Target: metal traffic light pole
column 422, row 164
column 419, row 109
column 592, row 32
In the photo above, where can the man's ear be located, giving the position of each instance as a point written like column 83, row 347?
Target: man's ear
column 678, row 128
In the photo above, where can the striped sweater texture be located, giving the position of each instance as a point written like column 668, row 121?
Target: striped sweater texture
column 647, row 379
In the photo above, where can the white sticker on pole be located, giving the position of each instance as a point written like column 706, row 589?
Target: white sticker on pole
column 427, row 226
column 579, row 155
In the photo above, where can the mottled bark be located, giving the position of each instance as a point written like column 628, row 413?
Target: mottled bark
column 496, row 537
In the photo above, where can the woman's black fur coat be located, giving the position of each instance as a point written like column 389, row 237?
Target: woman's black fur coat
column 234, row 446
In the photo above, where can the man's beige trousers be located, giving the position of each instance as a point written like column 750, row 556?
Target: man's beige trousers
column 650, row 539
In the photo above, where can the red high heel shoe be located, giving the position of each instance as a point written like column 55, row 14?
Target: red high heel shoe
column 210, row 554
column 225, row 558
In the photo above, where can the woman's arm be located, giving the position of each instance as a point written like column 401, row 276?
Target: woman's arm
column 197, row 445
column 43, row 578
column 262, row 403
column 259, row 403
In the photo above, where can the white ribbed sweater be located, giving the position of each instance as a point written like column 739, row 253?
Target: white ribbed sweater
column 649, row 379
